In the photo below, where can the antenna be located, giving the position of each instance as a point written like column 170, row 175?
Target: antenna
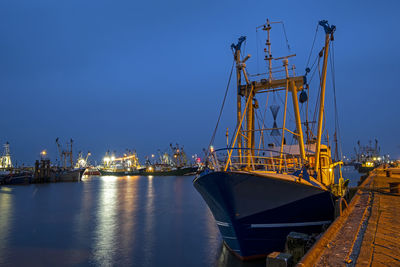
column 267, row 50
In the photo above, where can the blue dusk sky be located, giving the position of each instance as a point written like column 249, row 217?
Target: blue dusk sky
column 116, row 75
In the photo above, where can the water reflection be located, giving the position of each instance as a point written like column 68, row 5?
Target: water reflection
column 128, row 196
column 149, row 223
column 5, row 220
column 349, row 172
column 214, row 239
column 117, row 221
column 104, row 240
column 227, row 259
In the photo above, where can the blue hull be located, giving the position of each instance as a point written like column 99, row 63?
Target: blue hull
column 255, row 213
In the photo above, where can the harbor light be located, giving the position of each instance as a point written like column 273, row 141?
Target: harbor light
column 369, row 164
column 82, row 162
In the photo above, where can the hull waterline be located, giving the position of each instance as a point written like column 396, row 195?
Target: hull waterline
column 119, row 173
column 177, row 172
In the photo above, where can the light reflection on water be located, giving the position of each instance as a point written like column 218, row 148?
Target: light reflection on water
column 349, row 172
column 128, row 221
column 104, row 236
column 149, row 224
column 127, row 218
column 5, row 215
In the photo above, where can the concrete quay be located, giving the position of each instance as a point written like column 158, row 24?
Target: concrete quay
column 368, row 232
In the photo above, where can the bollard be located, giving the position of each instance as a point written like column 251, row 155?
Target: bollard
column 279, row 259
column 296, row 245
column 388, row 173
column 394, row 188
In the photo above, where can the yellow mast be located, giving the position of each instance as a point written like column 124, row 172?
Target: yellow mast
column 239, row 98
column 285, row 64
column 293, row 89
column 250, row 89
column 249, row 116
column 329, row 35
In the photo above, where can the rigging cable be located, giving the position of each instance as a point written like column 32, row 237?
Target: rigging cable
column 222, row 107
column 263, row 122
column 312, row 47
column 337, row 128
column 318, row 97
column 258, row 61
column 284, row 32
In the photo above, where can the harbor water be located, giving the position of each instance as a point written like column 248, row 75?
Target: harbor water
column 112, row 221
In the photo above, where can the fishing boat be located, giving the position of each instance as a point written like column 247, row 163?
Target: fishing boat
column 259, row 193
column 68, row 172
column 83, row 164
column 161, row 170
column 5, row 159
column 92, row 171
column 175, row 165
column 126, row 165
column 8, row 173
column 67, row 175
column 368, row 157
column 18, row 177
column 119, row 171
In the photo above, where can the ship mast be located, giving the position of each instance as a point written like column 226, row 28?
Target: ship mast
column 267, row 50
column 236, row 49
column 250, row 89
column 328, row 36
column 290, row 86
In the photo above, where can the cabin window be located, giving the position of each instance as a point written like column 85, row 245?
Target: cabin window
column 324, row 161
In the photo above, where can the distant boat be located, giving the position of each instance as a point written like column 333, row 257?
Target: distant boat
column 126, row 165
column 120, row 172
column 92, row 171
column 368, row 157
column 17, row 178
column 175, row 165
column 259, row 193
column 156, row 170
column 74, row 175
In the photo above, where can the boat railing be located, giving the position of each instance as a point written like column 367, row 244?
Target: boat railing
column 260, row 160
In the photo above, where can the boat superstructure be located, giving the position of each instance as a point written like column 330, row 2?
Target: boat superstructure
column 66, row 171
column 128, row 164
column 368, row 157
column 260, row 188
column 175, row 165
column 5, row 159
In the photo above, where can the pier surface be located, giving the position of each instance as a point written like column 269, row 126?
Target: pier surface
column 368, row 232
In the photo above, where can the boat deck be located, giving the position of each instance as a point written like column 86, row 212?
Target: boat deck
column 368, row 233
